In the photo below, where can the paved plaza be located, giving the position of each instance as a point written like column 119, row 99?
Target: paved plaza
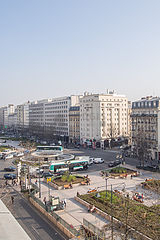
column 75, row 212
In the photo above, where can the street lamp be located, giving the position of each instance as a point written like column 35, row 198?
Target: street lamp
column 39, row 181
column 106, row 186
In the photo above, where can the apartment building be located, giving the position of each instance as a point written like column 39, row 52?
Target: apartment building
column 103, row 116
column 5, row 112
column 23, row 117
column 74, row 124
column 146, row 125
column 52, row 115
column 12, row 120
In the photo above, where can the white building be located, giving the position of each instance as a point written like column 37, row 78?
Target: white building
column 23, row 116
column 5, row 112
column 52, row 114
column 103, row 116
column 12, row 120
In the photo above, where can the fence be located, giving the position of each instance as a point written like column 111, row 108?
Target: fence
column 95, row 230
column 47, row 208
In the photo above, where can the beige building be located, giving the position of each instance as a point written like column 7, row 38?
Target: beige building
column 146, row 125
column 103, row 116
column 74, row 124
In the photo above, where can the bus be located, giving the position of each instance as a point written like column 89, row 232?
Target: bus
column 50, row 149
column 70, row 165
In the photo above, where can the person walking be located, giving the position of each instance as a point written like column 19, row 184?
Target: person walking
column 44, row 200
column 12, row 199
column 65, row 202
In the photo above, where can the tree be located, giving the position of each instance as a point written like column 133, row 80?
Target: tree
column 142, row 147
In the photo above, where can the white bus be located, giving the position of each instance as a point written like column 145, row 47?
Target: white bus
column 70, row 165
column 49, row 148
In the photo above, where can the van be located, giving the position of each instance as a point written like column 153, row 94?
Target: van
column 91, row 161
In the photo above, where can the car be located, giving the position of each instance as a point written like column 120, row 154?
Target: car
column 117, row 162
column 10, row 176
column 47, row 174
column 111, row 164
column 10, row 169
column 98, row 160
column 91, row 161
column 9, row 156
column 39, row 171
column 20, row 154
column 152, row 168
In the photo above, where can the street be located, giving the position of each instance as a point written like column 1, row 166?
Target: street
column 33, row 222
column 107, row 155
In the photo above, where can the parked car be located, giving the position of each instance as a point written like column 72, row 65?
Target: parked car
column 39, row 171
column 111, row 164
column 117, row 162
column 9, row 156
column 10, row 169
column 91, row 161
column 152, row 168
column 47, row 174
column 10, row 176
column 114, row 163
column 20, row 154
column 98, row 160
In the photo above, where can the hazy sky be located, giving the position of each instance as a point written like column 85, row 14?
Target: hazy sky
column 51, row 48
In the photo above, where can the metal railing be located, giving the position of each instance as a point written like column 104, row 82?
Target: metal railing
column 100, row 234
column 47, row 207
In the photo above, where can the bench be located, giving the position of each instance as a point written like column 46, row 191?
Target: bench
column 66, row 186
column 83, row 183
column 92, row 190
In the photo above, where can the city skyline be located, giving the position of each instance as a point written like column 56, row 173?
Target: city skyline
column 61, row 48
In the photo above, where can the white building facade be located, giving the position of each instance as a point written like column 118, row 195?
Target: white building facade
column 52, row 114
column 103, row 116
column 23, row 116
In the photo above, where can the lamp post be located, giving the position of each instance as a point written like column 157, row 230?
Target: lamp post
column 106, row 186
column 48, row 191
column 111, row 213
column 39, row 181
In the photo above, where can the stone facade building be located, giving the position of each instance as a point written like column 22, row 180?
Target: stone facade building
column 103, row 116
column 146, row 126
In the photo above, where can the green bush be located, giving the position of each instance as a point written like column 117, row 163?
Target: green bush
column 118, row 170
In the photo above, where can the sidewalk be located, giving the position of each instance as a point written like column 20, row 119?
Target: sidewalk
column 74, row 213
column 10, row 229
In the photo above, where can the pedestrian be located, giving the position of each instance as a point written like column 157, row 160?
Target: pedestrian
column 12, row 199
column 65, row 202
column 131, row 176
column 15, row 182
column 6, row 182
column 36, row 182
column 44, row 200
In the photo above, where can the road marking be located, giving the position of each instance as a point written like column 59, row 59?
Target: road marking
column 35, row 230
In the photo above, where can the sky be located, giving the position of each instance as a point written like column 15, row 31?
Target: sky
column 52, row 48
